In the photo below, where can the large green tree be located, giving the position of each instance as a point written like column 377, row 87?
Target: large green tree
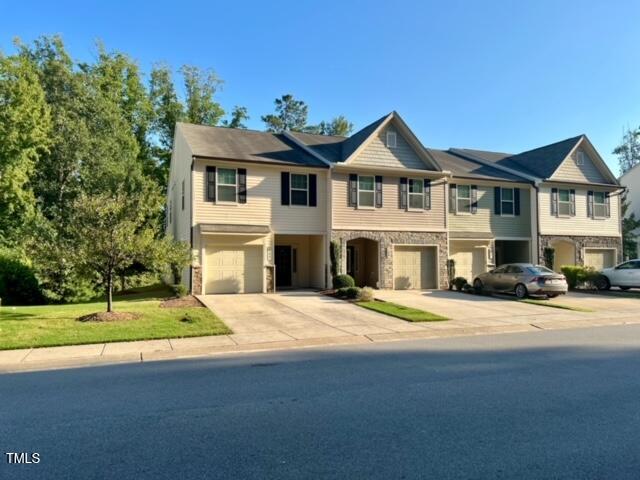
column 25, row 123
column 628, row 151
column 238, row 117
column 290, row 115
column 630, row 224
column 339, row 126
column 201, row 87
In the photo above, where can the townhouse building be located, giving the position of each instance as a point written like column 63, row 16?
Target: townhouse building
column 260, row 210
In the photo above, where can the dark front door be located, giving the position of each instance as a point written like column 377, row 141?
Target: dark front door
column 351, row 261
column 283, row 265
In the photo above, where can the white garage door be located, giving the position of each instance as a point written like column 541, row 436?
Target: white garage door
column 470, row 261
column 599, row 258
column 414, row 268
column 234, row 269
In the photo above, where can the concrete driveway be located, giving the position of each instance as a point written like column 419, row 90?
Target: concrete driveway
column 298, row 315
column 475, row 310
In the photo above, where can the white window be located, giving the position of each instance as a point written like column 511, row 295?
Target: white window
column 366, row 192
column 463, row 198
column 299, row 189
column 580, row 158
column 391, row 139
column 227, row 185
column 507, row 207
column 564, row 202
column 416, row 193
column 599, row 205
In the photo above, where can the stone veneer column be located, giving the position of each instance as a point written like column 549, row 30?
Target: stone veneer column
column 197, row 281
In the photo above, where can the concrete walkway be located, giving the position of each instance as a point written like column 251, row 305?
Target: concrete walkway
column 307, row 319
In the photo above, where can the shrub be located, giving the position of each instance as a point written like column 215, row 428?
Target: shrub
column 366, row 294
column 467, row 288
column 179, row 290
column 579, row 276
column 334, row 253
column 18, row 284
column 349, row 292
column 343, row 281
column 459, row 283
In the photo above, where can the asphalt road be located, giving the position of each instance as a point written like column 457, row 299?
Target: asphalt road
column 553, row 404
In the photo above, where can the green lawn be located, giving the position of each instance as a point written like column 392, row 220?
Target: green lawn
column 402, row 312
column 546, row 303
column 51, row 325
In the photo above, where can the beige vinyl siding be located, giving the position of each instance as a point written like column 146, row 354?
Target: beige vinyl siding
column 486, row 221
column 581, row 223
column 263, row 200
column 376, row 153
column 390, row 216
column 570, row 171
column 180, row 171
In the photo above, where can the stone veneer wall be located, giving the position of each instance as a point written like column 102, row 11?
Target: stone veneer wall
column 581, row 242
column 196, row 280
column 386, row 241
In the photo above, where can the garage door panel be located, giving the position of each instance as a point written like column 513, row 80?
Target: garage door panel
column 234, row 269
column 599, row 258
column 414, row 268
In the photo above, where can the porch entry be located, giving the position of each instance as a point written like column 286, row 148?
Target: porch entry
column 363, row 261
column 299, row 261
column 512, row 251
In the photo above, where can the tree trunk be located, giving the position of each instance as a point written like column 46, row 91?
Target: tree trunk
column 109, row 292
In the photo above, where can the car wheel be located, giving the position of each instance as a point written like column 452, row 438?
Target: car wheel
column 477, row 285
column 602, row 283
column 552, row 295
column 625, row 288
column 521, row 291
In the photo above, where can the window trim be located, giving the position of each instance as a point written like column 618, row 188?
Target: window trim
column 512, row 202
column 458, row 198
column 391, row 134
column 219, row 184
column 291, row 189
column 568, row 202
column 372, row 191
column 580, row 158
column 603, row 205
column 409, row 194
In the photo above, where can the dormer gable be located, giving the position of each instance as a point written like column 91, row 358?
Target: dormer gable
column 583, row 165
column 391, row 144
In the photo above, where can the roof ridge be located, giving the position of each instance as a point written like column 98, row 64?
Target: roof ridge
column 576, row 138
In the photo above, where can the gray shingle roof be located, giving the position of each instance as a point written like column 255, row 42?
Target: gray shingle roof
column 540, row 162
column 328, row 146
column 352, row 143
column 247, row 145
column 464, row 167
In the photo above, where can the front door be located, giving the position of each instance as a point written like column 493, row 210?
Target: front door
column 351, row 261
column 283, row 265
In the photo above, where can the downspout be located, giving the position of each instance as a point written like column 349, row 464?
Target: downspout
column 191, row 226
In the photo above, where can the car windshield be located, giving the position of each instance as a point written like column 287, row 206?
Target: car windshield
column 539, row 269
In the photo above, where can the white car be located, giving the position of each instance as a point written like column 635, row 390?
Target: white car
column 626, row 275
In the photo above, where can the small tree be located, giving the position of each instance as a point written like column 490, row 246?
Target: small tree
column 334, row 252
column 630, row 224
column 111, row 234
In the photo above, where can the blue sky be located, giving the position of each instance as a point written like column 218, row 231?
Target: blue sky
column 496, row 75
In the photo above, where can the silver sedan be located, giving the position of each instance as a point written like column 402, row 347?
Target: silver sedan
column 523, row 279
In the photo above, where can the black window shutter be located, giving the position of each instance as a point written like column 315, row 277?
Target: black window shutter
column 427, row 194
column 572, row 199
column 474, row 198
column 607, row 205
column 313, row 190
column 497, row 200
column 403, row 192
column 284, row 188
column 590, row 204
column 352, row 197
column 453, row 208
column 211, row 184
column 378, row 191
column 554, row 201
column 242, row 185
column 516, row 201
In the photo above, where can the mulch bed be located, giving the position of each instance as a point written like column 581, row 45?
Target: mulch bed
column 109, row 317
column 181, row 302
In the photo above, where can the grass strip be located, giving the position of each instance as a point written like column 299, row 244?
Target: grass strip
column 401, row 312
